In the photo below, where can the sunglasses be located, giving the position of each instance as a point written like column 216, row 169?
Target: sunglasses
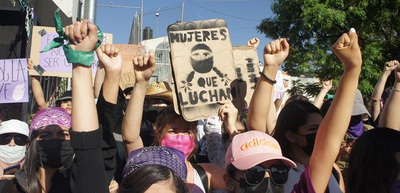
column 278, row 174
column 19, row 139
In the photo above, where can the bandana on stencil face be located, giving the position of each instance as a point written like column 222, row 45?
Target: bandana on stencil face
column 51, row 116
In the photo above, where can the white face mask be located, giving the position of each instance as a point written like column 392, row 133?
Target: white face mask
column 12, row 154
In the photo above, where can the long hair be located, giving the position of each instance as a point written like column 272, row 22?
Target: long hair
column 167, row 116
column 372, row 164
column 291, row 118
column 30, row 167
column 33, row 163
column 141, row 179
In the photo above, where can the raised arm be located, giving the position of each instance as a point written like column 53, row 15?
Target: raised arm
column 86, row 137
column 335, row 123
column 391, row 111
column 85, row 114
column 274, row 54
column 98, row 80
column 375, row 104
column 37, row 89
column 110, row 58
column 326, row 87
column 144, row 68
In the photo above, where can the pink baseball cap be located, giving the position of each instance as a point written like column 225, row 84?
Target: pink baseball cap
column 51, row 116
column 252, row 148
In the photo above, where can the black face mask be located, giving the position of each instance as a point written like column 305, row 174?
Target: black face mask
column 308, row 149
column 54, row 153
column 151, row 113
column 266, row 186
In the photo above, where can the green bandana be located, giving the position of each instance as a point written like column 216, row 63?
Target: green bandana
column 73, row 56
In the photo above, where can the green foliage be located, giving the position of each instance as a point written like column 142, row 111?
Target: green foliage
column 298, row 88
column 313, row 26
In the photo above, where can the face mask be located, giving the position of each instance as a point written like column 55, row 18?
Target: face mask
column 151, row 113
column 12, row 154
column 184, row 143
column 54, row 153
column 356, row 127
column 266, row 186
column 396, row 186
column 308, row 149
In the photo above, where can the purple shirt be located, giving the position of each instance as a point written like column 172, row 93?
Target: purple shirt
column 305, row 184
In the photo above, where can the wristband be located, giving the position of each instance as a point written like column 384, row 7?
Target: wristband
column 73, row 56
column 268, row 78
column 395, row 90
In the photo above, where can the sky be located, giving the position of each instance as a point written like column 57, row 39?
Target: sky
column 241, row 16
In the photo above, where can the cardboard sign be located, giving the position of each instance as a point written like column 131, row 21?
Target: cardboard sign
column 203, row 67
column 13, row 81
column 247, row 68
column 53, row 62
column 128, row 52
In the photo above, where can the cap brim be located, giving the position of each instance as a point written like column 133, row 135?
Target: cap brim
column 64, row 98
column 164, row 96
column 249, row 161
column 13, row 130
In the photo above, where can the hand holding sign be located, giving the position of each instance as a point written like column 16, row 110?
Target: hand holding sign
column 228, row 113
column 144, row 66
column 276, row 52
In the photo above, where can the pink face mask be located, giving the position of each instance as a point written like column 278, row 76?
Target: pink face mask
column 184, row 143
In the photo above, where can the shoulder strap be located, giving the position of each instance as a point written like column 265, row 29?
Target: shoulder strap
column 203, row 175
column 336, row 175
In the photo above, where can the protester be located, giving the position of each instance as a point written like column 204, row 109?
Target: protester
column 334, row 125
column 219, row 131
column 249, row 157
column 158, row 96
column 171, row 130
column 49, row 156
column 295, row 130
column 377, row 100
column 155, row 169
column 374, row 159
column 14, row 137
column 65, row 101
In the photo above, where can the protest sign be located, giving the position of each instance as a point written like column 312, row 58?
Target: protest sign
column 203, row 67
column 53, row 61
column 128, row 52
column 13, row 81
column 247, row 73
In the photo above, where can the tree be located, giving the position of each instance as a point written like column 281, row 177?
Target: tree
column 313, row 26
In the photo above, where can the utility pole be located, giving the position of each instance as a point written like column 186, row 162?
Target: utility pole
column 157, row 14
column 89, row 11
column 141, row 21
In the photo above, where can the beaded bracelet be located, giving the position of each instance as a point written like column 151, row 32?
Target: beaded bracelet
column 268, row 78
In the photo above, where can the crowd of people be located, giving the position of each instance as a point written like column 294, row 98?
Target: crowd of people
column 308, row 147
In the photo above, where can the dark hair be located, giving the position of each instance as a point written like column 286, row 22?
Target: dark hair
column 31, row 165
column 372, row 162
column 167, row 116
column 325, row 106
column 296, row 97
column 141, row 179
column 292, row 116
column 231, row 170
